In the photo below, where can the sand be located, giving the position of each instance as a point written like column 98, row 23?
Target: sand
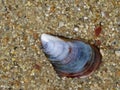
column 23, row 65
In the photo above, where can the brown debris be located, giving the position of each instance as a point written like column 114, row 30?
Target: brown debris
column 98, row 30
column 37, row 66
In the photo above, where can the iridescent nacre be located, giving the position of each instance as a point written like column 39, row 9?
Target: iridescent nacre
column 71, row 58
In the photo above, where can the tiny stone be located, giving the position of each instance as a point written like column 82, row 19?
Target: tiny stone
column 13, row 59
column 61, row 24
column 76, row 29
column 85, row 18
column 67, row 32
column 46, row 14
column 117, row 52
column 103, row 14
column 78, row 9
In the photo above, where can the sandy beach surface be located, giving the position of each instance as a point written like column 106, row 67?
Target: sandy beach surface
column 23, row 65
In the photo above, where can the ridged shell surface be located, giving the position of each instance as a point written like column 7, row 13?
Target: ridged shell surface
column 71, row 58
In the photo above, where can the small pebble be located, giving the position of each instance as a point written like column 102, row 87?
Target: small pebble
column 85, row 18
column 76, row 29
column 61, row 24
column 117, row 53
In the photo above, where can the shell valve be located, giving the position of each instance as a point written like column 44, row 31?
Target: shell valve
column 69, row 57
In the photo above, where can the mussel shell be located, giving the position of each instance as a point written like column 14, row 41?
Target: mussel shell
column 89, row 67
column 80, row 53
column 72, row 58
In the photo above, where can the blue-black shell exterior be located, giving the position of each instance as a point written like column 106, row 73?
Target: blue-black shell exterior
column 80, row 54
